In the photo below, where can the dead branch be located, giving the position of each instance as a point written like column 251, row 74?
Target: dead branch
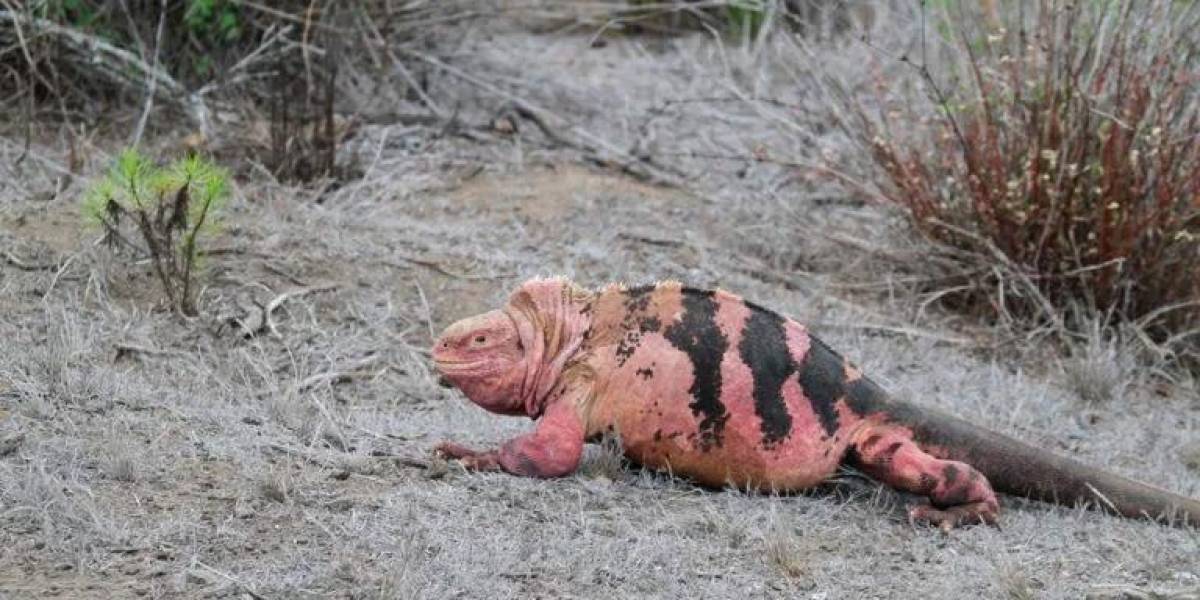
column 126, row 349
column 153, row 82
column 910, row 332
column 435, row 266
column 651, row 241
column 341, row 375
column 12, row 259
column 404, row 460
column 308, row 455
column 260, row 320
column 249, row 591
column 330, row 460
column 118, row 65
column 1052, row 315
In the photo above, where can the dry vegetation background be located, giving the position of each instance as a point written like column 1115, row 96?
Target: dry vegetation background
column 991, row 206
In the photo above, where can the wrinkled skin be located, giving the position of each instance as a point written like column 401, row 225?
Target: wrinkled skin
column 503, row 360
column 717, row 389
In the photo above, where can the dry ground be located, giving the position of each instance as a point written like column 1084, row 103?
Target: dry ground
column 142, row 455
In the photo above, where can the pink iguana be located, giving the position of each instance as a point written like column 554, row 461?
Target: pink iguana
column 723, row 391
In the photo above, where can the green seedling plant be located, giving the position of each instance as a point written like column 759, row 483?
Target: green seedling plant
column 164, row 212
column 746, row 17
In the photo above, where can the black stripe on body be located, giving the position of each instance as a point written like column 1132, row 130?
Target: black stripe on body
column 764, row 350
column 697, row 335
column 823, row 378
column 635, row 322
column 865, row 397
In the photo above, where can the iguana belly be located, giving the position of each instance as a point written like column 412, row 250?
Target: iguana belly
column 739, row 461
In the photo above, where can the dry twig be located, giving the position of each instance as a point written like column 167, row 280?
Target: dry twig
column 261, row 320
column 13, row 260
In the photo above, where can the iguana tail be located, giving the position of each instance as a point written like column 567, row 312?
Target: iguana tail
column 1017, row 468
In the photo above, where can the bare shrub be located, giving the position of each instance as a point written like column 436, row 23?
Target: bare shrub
column 259, row 79
column 1056, row 149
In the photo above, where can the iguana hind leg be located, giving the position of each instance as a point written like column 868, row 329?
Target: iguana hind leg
column 959, row 494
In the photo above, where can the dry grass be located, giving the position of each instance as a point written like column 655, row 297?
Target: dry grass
column 120, row 465
column 277, row 487
column 1189, row 454
column 334, row 412
column 1101, row 367
column 784, row 554
column 1016, row 585
column 209, row 488
column 607, row 461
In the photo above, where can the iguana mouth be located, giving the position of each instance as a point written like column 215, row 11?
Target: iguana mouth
column 459, row 367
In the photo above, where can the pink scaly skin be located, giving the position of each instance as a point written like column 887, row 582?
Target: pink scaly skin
column 891, row 457
column 508, row 361
column 551, row 450
column 718, row 389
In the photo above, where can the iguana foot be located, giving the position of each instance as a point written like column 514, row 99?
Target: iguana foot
column 954, row 516
column 472, row 460
column 553, row 449
column 960, row 495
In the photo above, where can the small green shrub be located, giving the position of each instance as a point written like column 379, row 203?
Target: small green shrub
column 1060, row 142
column 198, row 30
column 162, row 212
column 746, row 17
column 213, row 19
column 742, row 18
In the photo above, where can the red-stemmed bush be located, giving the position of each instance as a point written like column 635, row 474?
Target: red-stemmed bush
column 1061, row 140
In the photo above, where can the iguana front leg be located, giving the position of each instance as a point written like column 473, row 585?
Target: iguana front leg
column 960, row 494
column 552, row 449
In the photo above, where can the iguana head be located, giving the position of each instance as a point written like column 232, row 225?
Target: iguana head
column 508, row 360
column 483, row 356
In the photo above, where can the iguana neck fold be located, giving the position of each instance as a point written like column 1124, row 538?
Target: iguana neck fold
column 551, row 316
